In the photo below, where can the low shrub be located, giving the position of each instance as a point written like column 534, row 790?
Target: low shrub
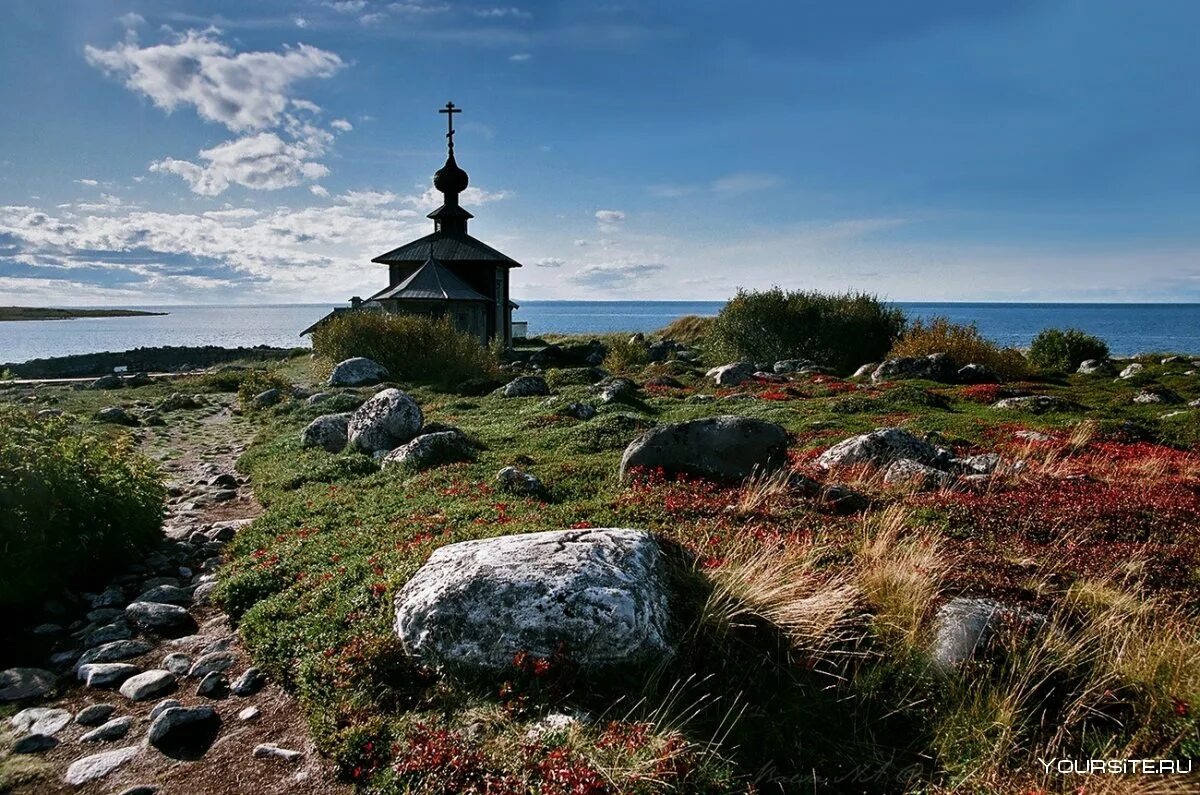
column 626, row 355
column 255, row 382
column 838, row 330
column 689, row 329
column 1064, row 351
column 412, row 347
column 72, row 505
column 962, row 344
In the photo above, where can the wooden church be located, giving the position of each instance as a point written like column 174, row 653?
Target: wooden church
column 447, row 273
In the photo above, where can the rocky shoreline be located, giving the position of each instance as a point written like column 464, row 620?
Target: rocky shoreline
column 164, row 359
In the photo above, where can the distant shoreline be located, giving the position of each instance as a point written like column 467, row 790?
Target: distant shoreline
column 45, row 313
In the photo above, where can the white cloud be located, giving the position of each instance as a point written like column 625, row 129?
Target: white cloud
column 745, row 182
column 91, row 183
column 609, row 220
column 503, row 13
column 367, row 198
column 301, row 22
column 418, row 7
column 549, row 262
column 318, row 190
column 304, row 104
column 260, row 162
column 614, row 275
column 347, row 6
column 341, row 125
column 372, row 19
column 241, row 90
column 432, row 198
column 132, row 20
column 520, row 57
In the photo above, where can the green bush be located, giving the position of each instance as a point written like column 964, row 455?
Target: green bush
column 962, row 344
column 689, row 329
column 1055, row 349
column 842, row 331
column 72, row 505
column 625, row 356
column 255, row 382
column 412, row 347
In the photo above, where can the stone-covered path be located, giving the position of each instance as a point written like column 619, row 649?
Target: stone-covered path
column 153, row 692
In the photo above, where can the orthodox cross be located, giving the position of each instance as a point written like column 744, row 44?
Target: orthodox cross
column 450, row 110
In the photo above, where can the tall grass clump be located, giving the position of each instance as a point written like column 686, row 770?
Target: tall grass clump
column 689, row 329
column 841, row 331
column 962, row 344
column 412, row 347
column 1063, row 351
column 72, row 505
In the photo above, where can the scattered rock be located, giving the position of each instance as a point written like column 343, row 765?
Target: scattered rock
column 358, row 371
column 213, row 685
column 612, row 390
column 734, row 374
column 795, row 366
column 177, row 663
column 1156, row 396
column 91, row 768
column 184, row 732
column 1095, row 367
column 1033, row 436
column 145, row 686
column 141, row 789
column 118, row 630
column 249, row 714
column 515, row 481
column 866, row 370
column 1132, row 370
column 162, row 707
column 106, row 382
column 112, row 652
column 95, row 714
column 106, row 674
column 965, row 626
column 431, row 450
column 1034, row 404
column 266, row 398
column 249, row 683
column 116, row 415
column 34, row 744
column 114, row 729
column 977, row 374
column 327, row 432
column 158, row 616
column 718, row 447
column 19, row 684
column 389, row 418
column 475, row 604
column 526, row 386
column 908, row 472
column 580, row 411
column 167, row 594
column 272, row 751
column 983, row 464
column 213, row 661
column 934, row 367
column 41, row 720
column 880, row 448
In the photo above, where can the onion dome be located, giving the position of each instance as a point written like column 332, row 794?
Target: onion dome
column 450, row 178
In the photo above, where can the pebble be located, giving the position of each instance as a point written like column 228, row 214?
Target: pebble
column 114, row 729
column 214, row 661
column 177, row 663
column 115, row 651
column 213, row 685
column 248, row 714
column 249, row 683
column 34, row 744
column 106, row 674
column 157, row 615
column 272, row 751
column 95, row 714
column 91, row 768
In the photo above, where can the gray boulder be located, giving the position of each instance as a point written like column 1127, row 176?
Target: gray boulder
column 249, row 683
column 168, row 594
column 114, row 729
column 388, row 419
column 184, row 732
column 934, row 367
column 579, row 411
column 147, row 685
column 92, row 768
column 977, row 374
column 19, row 684
column 213, row 661
column 880, row 448
column 358, row 371
column 431, row 450
column 114, row 652
column 157, row 616
column 603, row 593
column 107, row 382
column 116, row 415
column 1132, row 370
column 106, row 674
column 907, row 472
column 41, row 720
column 515, row 481
column 1034, row 404
column 95, row 714
column 34, row 744
column 526, row 386
column 866, row 370
column 716, row 447
column 963, row 627
column 611, row 390
column 795, row 366
column 734, row 374
column 266, row 398
column 327, row 432
column 272, row 751
column 1095, row 367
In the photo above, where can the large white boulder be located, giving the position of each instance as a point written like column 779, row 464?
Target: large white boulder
column 717, row 447
column 431, row 450
column 389, row 419
column 358, row 371
column 733, row 374
column 602, row 594
column 879, row 448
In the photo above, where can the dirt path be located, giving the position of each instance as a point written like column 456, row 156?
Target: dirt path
column 197, row 450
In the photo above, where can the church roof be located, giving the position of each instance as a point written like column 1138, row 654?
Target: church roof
column 431, row 282
column 446, row 247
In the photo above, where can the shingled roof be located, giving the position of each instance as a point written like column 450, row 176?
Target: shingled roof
column 431, row 282
column 446, row 247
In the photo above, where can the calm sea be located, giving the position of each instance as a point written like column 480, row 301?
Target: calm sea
column 1128, row 328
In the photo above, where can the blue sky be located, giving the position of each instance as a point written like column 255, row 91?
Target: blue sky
column 163, row 152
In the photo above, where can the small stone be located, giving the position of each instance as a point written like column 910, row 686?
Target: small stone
column 249, row 683
column 272, row 751
column 526, row 386
column 184, row 732
column 1132, row 370
column 515, row 481
column 95, row 714
column 110, row 597
column 106, row 674
column 157, row 615
column 249, row 714
column 114, row 652
column 34, row 744
column 41, row 720
column 177, row 663
column 91, row 768
column 114, row 729
column 18, row 684
column 147, row 685
column 168, row 594
column 213, row 685
column 141, row 789
column 117, row 630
